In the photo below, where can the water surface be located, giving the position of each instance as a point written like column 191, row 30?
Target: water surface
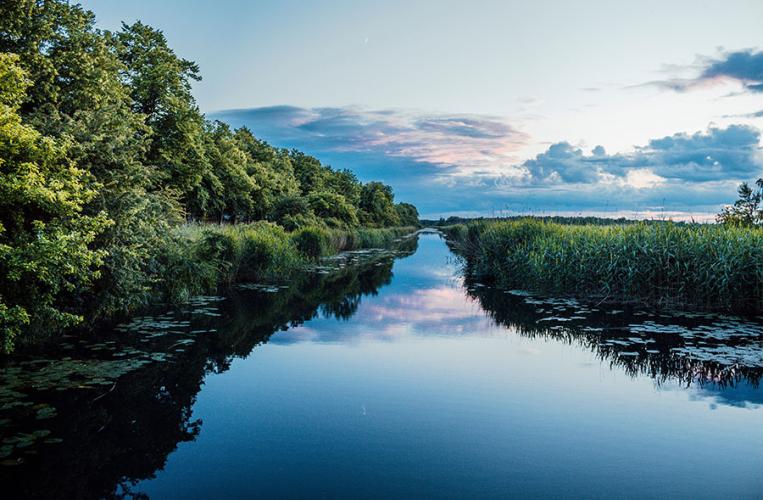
column 387, row 376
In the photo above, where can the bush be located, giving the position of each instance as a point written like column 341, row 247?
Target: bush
column 312, row 242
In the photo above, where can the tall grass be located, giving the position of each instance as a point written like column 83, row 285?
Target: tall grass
column 199, row 258
column 701, row 266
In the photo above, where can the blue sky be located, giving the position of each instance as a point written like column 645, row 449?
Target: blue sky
column 629, row 108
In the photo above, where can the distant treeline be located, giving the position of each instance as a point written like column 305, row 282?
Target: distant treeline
column 557, row 219
column 103, row 151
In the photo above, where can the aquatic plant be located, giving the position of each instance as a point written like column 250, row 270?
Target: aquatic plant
column 690, row 265
column 201, row 257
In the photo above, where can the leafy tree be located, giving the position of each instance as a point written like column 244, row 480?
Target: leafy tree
column 159, row 84
column 377, row 205
column 78, row 96
column 272, row 171
column 746, row 210
column 334, row 208
column 408, row 214
column 229, row 163
column 308, row 170
column 292, row 212
column 66, row 58
column 344, row 182
column 45, row 238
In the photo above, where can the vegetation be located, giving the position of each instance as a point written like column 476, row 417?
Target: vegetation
column 558, row 219
column 200, row 257
column 746, row 211
column 104, row 154
column 663, row 264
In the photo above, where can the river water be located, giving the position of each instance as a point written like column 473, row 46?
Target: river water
column 388, row 375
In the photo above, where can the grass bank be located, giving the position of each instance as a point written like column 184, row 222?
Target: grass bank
column 661, row 264
column 201, row 258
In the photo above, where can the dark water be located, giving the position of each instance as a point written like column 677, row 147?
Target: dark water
column 385, row 375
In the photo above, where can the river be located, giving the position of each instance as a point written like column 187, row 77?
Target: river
column 389, row 375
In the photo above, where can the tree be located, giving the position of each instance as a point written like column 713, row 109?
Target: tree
column 66, row 58
column 229, row 162
column 746, row 210
column 345, row 183
column 408, row 214
column 159, row 84
column 308, row 171
column 333, row 208
column 271, row 171
column 377, row 205
column 45, row 238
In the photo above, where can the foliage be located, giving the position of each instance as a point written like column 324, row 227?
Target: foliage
column 200, row 257
column 407, row 214
column 705, row 266
column 105, row 152
column 44, row 235
column 745, row 211
column 377, row 205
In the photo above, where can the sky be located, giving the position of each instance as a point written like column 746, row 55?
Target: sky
column 489, row 107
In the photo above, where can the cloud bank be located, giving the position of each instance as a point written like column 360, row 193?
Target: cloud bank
column 467, row 164
column 457, row 143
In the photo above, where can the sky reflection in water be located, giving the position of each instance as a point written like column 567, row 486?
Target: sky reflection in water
column 421, row 393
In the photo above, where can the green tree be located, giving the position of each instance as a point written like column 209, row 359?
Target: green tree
column 66, row 58
column 271, row 171
column 377, row 205
column 408, row 214
column 78, row 96
column 229, row 163
column 746, row 210
column 333, row 208
column 159, row 84
column 344, row 182
column 308, row 170
column 45, row 238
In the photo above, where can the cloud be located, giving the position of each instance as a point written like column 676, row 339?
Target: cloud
column 715, row 155
column 756, row 114
column 744, row 67
column 458, row 143
column 467, row 164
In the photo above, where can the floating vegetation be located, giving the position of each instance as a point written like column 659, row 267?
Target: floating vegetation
column 721, row 344
column 259, row 287
column 30, row 387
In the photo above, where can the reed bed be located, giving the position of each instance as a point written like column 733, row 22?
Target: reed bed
column 201, row 257
column 664, row 264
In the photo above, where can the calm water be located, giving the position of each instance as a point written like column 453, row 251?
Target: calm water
column 387, row 376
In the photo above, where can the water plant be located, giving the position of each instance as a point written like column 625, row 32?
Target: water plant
column 665, row 264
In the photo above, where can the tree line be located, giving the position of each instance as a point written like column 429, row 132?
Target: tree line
column 103, row 149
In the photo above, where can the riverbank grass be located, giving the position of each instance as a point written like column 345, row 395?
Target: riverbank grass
column 200, row 258
column 662, row 264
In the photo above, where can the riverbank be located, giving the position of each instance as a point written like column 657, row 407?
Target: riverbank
column 197, row 259
column 688, row 266
column 205, row 257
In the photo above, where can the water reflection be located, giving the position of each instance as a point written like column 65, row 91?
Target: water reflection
column 117, row 405
column 713, row 351
column 446, row 365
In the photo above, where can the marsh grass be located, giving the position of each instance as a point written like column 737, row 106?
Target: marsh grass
column 663, row 264
column 198, row 258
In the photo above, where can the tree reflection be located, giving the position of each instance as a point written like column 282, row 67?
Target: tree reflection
column 660, row 356
column 113, row 438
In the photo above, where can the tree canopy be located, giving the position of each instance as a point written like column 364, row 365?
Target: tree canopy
column 746, row 210
column 103, row 148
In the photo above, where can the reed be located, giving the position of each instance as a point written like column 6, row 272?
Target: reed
column 199, row 258
column 664, row 264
